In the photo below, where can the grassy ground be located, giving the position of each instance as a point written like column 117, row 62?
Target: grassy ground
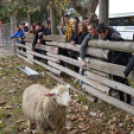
column 83, row 117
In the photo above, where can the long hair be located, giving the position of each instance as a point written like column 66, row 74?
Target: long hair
column 72, row 32
column 84, row 27
column 78, row 20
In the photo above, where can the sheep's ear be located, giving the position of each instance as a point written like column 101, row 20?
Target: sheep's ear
column 68, row 86
column 49, row 95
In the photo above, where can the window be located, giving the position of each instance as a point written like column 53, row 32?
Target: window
column 118, row 22
column 128, row 21
column 111, row 22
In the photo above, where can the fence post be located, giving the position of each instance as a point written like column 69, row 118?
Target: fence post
column 12, row 29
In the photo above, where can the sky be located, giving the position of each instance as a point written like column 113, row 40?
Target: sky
column 120, row 6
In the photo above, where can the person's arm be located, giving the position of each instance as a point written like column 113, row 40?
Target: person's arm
column 19, row 36
column 14, row 35
column 84, row 46
column 62, row 23
column 83, row 50
column 47, row 32
column 35, row 39
column 129, row 67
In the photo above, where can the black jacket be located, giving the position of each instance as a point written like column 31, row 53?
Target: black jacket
column 79, row 38
column 116, row 57
column 129, row 67
column 36, row 36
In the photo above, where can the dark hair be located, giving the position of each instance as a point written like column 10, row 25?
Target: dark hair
column 38, row 24
column 77, row 19
column 22, row 23
column 92, row 24
column 84, row 27
column 72, row 32
column 48, row 22
column 85, row 18
column 66, row 16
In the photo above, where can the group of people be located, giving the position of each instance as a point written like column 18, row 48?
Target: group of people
column 80, row 32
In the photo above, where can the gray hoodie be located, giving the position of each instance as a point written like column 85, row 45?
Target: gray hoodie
column 85, row 44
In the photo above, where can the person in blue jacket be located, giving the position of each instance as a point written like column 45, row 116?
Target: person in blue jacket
column 17, row 33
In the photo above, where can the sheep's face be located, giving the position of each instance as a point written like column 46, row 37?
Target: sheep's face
column 63, row 99
column 62, row 95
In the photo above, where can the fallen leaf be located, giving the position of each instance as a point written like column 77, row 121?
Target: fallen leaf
column 8, row 107
column 127, row 117
column 93, row 113
column 3, row 102
column 72, row 117
column 1, row 122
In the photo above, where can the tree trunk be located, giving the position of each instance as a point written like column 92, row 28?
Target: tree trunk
column 103, row 11
column 53, row 15
column 16, row 19
column 29, row 18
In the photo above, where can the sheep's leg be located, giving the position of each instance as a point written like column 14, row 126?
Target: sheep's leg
column 29, row 124
column 58, row 131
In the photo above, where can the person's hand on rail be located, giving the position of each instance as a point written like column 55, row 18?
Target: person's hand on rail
column 39, row 34
column 32, row 49
column 84, row 64
column 72, row 42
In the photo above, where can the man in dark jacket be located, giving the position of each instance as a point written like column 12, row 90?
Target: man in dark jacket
column 46, row 31
column 115, row 57
column 39, row 28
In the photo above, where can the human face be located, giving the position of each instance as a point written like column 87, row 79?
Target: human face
column 73, row 28
column 17, row 29
column 103, row 33
column 79, row 27
column 86, row 21
column 92, row 30
column 22, row 27
column 38, row 27
column 66, row 20
column 75, row 21
column 32, row 29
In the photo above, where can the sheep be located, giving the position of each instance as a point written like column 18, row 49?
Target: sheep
column 46, row 108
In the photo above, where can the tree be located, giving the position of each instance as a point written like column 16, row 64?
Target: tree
column 86, row 11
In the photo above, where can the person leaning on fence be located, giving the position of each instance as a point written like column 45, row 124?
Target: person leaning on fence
column 82, row 33
column 93, row 34
column 39, row 28
column 46, row 31
column 115, row 57
column 15, row 35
